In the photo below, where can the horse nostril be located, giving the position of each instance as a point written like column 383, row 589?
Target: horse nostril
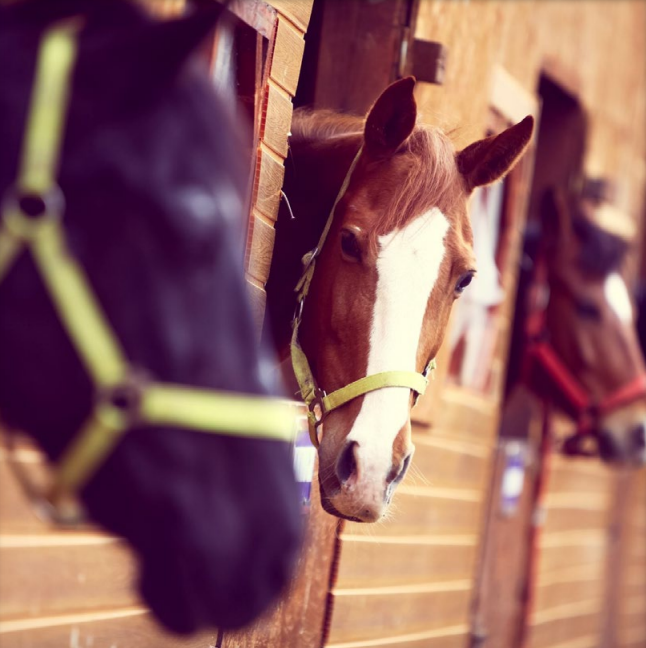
column 397, row 473
column 638, row 437
column 346, row 465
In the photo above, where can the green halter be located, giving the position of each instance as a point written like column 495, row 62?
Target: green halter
column 313, row 396
column 122, row 399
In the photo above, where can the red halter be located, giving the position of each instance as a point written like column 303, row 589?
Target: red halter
column 544, row 367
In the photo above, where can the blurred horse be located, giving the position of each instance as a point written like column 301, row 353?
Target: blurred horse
column 397, row 254
column 583, row 352
column 154, row 186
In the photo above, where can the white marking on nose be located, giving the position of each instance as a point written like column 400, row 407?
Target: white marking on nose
column 408, row 265
column 617, row 296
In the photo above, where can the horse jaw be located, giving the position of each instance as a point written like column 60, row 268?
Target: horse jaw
column 408, row 266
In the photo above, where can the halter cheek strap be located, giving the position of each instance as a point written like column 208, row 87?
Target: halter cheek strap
column 123, row 400
column 319, row 404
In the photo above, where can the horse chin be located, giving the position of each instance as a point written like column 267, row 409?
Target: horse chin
column 350, row 508
column 328, row 507
column 192, row 585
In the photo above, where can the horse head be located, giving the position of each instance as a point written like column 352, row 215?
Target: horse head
column 590, row 321
column 398, row 254
column 154, row 187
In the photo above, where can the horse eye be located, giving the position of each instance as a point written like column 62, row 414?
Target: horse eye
column 463, row 282
column 587, row 310
column 350, row 246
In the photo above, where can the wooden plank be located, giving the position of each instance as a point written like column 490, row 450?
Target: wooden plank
column 298, row 11
column 451, row 637
column 365, row 39
column 366, row 615
column 261, row 248
column 119, row 628
column 571, row 626
column 466, row 417
column 449, row 464
column 46, row 579
column 579, row 475
column 556, row 558
column 572, row 519
column 288, row 55
column 378, row 563
column 432, row 511
column 278, row 119
column 270, row 183
column 561, row 593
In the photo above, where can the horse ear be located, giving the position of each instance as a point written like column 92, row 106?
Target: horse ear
column 142, row 60
column 488, row 160
column 391, row 119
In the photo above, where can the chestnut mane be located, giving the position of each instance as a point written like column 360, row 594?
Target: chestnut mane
column 433, row 178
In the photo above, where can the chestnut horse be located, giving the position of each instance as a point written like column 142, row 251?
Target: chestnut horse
column 584, row 354
column 154, row 186
column 398, row 253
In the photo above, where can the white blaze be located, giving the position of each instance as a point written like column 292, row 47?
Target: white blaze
column 617, row 296
column 408, row 264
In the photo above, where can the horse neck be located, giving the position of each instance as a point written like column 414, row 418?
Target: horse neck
column 314, row 173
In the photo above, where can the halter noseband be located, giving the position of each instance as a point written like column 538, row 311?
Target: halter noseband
column 541, row 355
column 319, row 404
column 123, row 400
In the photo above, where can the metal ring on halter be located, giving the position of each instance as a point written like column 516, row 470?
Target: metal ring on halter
column 123, row 400
column 319, row 395
column 309, row 258
column 298, row 311
column 21, row 221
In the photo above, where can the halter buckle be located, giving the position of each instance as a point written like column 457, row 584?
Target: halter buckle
column 122, row 402
column 298, row 311
column 309, row 257
column 24, row 212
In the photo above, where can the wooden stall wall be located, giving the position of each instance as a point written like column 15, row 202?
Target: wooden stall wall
column 77, row 588
column 629, row 631
column 595, row 50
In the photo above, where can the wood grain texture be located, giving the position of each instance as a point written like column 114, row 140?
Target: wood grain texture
column 43, row 580
column 451, row 637
column 118, row 628
column 261, row 248
column 449, row 464
column 567, row 624
column 298, row 11
column 278, row 119
column 288, row 54
column 378, row 563
column 271, row 173
column 375, row 615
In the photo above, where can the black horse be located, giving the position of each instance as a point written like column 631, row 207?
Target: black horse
column 154, row 187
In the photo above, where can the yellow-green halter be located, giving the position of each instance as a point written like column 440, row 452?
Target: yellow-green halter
column 122, row 399
column 319, row 404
